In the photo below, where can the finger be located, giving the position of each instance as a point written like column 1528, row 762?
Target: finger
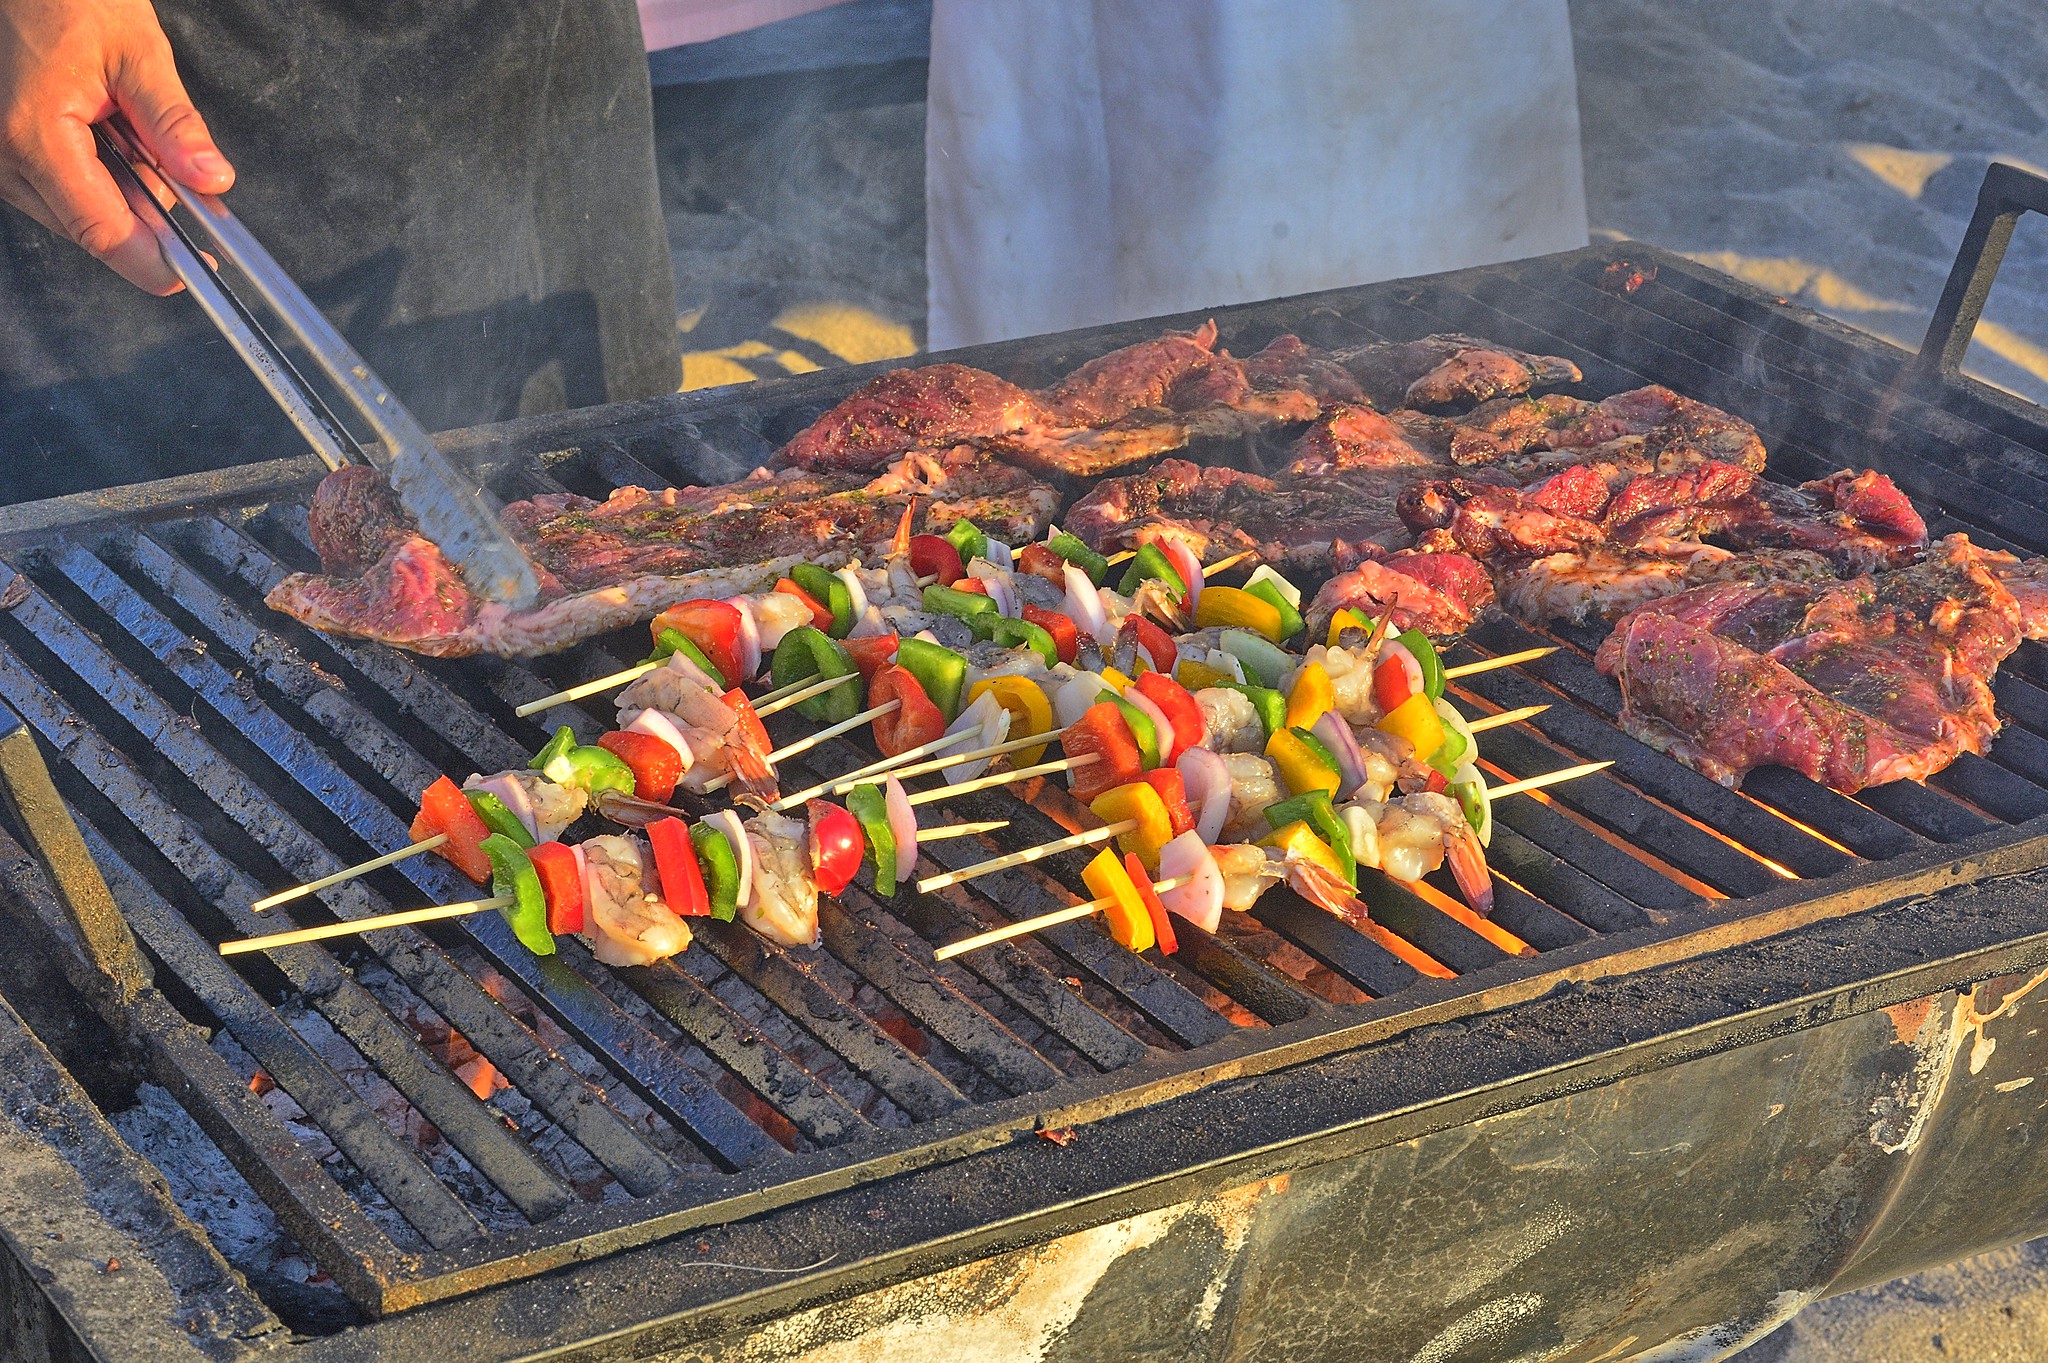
column 87, row 207
column 144, row 82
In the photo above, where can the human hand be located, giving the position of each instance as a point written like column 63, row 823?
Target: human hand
column 65, row 65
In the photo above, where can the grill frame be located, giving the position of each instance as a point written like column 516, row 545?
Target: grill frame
column 1678, row 932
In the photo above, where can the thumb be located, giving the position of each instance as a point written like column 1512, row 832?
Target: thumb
column 145, row 85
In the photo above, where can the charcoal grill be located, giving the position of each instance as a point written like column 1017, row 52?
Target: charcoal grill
column 1751, row 1060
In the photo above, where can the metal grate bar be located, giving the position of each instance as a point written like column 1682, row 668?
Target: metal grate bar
column 1401, row 910
column 919, row 990
column 356, row 1015
column 1338, row 945
column 1560, row 883
column 1271, row 996
column 911, row 1083
column 1514, row 908
column 1991, row 787
column 1570, row 842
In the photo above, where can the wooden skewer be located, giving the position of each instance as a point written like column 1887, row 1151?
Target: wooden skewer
column 886, row 766
column 810, row 741
column 1030, row 854
column 1548, row 778
column 589, row 688
column 350, row 928
column 1504, row 660
column 993, row 750
column 1044, row 920
column 1003, row 778
column 959, row 830
column 798, row 692
column 1505, row 718
column 1220, row 564
column 1124, row 556
column 361, row 868
column 926, row 581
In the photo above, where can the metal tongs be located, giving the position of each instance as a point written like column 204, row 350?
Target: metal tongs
column 451, row 509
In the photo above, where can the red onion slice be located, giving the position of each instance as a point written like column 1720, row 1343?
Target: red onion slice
column 1207, row 778
column 1343, row 745
column 727, row 822
column 1200, row 901
column 902, row 826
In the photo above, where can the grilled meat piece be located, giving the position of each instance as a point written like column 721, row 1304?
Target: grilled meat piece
column 1648, row 430
column 1608, row 581
column 1483, row 521
column 929, row 407
column 1353, row 437
column 1447, row 368
column 1110, row 387
column 1439, row 594
column 610, row 563
column 1861, row 521
column 1722, row 709
column 1690, row 504
column 354, row 517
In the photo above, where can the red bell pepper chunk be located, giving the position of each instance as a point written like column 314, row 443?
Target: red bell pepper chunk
column 869, row 654
column 561, row 880
column 713, row 626
column 656, row 766
column 1173, row 793
column 1179, row 706
column 1066, row 635
column 821, row 614
column 1162, row 926
column 1039, row 561
column 445, row 809
column 1391, row 684
column 917, row 721
column 1102, row 732
column 1438, row 782
column 836, row 845
column 1158, row 643
column 935, row 556
column 675, row 861
column 973, row 584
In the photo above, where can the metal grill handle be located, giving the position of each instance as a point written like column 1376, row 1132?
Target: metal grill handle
column 2006, row 193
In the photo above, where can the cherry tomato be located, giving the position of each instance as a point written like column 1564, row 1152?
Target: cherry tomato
column 1039, row 561
column 836, row 846
column 935, row 556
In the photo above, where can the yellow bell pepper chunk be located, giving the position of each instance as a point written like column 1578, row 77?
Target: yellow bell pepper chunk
column 1344, row 619
column 1415, row 719
column 1195, row 674
column 1139, row 802
column 1117, row 680
column 1298, row 839
column 1311, row 698
column 1030, row 711
column 1108, row 881
column 1301, row 768
column 1232, row 608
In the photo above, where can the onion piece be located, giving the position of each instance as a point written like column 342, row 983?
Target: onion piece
column 1158, row 717
column 680, row 662
column 1227, row 664
column 1077, row 695
column 855, row 591
column 992, row 722
column 871, row 625
column 1200, row 901
column 727, row 822
column 1207, row 780
column 1260, row 655
column 1000, row 554
column 902, row 826
column 1395, row 649
column 749, row 643
column 1264, row 573
column 1083, row 605
column 1115, row 610
column 1343, row 745
column 655, row 724
column 1186, row 563
column 1001, row 589
column 507, row 788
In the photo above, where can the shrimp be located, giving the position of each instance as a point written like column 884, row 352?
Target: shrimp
column 1350, row 683
column 1230, row 721
column 543, row 806
column 782, row 900
column 775, row 614
column 626, row 925
column 1387, row 760
column 721, row 745
column 1421, row 832
column 1253, row 786
column 1249, row 871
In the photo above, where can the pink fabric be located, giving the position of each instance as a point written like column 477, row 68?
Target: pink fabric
column 671, row 23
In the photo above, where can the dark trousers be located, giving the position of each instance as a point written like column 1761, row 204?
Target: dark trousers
column 466, row 187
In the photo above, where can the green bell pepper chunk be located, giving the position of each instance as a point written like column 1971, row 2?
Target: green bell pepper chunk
column 674, row 641
column 806, row 654
column 1417, row 643
column 593, row 769
column 498, row 818
column 561, row 744
column 967, row 537
column 1142, row 729
column 938, row 669
column 1317, row 746
column 1291, row 622
column 1315, row 810
column 513, row 878
column 831, row 592
column 721, row 869
column 1011, row 632
column 1268, row 704
column 1447, row 758
column 1151, row 561
column 870, row 806
column 954, row 602
column 1075, row 551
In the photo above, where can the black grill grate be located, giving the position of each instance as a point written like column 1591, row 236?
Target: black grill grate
column 214, row 750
